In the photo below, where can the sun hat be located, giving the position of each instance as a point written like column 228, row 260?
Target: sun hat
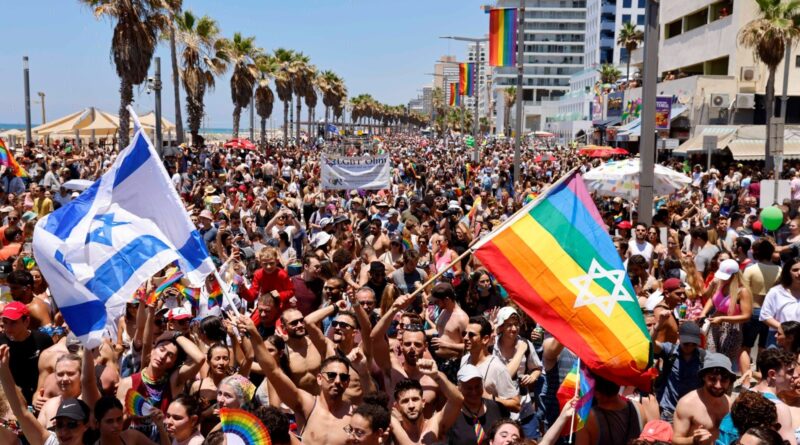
column 320, row 239
column 726, row 269
column 715, row 360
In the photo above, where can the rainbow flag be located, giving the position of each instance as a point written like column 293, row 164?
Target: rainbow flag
column 453, row 94
column 466, row 79
column 503, row 37
column 581, row 384
column 171, row 279
column 474, row 209
column 7, row 159
column 557, row 262
column 215, row 296
column 192, row 295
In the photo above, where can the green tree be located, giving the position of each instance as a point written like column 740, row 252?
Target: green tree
column 242, row 53
column 629, row 38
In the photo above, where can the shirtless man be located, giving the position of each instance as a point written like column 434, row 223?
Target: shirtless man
column 412, row 428
column 357, row 274
column 377, row 237
column 47, row 387
column 412, row 347
column 20, row 283
column 69, row 377
column 447, row 342
column 700, row 412
column 322, row 419
column 304, row 357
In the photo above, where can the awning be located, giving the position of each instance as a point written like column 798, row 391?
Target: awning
column 753, row 149
column 610, row 122
column 633, row 129
column 724, row 134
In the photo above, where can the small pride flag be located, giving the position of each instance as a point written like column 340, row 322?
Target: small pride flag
column 503, row 37
column 215, row 296
column 173, row 278
column 7, row 159
column 578, row 383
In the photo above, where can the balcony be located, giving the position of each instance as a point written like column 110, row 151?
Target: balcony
column 608, row 8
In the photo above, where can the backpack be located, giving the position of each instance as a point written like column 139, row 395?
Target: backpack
column 661, row 381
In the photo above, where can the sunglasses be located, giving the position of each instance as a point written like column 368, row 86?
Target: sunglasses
column 297, row 322
column 330, row 376
column 470, row 334
column 70, row 425
column 341, row 324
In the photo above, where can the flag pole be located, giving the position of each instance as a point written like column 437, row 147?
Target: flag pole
column 574, row 411
column 514, row 217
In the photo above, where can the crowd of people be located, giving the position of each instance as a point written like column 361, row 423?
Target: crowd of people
column 333, row 332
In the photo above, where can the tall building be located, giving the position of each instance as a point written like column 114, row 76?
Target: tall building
column 445, row 72
column 554, row 32
column 628, row 11
column 479, row 51
column 427, row 100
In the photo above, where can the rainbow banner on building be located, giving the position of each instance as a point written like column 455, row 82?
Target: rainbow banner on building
column 578, row 383
column 453, row 94
column 503, row 37
column 557, row 262
column 7, row 159
column 466, row 79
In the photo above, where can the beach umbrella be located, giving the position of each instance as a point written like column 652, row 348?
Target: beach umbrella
column 619, row 151
column 621, row 178
column 543, row 134
column 240, row 144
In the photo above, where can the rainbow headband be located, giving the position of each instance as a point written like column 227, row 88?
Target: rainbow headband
column 243, row 428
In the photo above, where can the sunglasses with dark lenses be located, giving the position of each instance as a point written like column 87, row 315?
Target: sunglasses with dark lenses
column 294, row 323
column 70, row 425
column 331, row 376
column 341, row 324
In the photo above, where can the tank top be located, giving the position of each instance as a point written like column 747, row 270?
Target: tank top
column 722, row 303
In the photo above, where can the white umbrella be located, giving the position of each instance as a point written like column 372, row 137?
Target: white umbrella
column 77, row 184
column 621, row 178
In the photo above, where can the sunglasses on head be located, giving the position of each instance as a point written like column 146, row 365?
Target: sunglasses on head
column 331, row 376
column 341, row 324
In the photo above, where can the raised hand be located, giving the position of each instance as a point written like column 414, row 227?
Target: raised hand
column 427, row 367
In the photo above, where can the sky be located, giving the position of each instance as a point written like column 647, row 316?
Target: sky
column 380, row 47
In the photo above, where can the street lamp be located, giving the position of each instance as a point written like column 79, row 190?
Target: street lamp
column 26, row 77
column 41, row 100
column 476, row 73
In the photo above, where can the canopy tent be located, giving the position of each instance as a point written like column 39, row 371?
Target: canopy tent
column 149, row 120
column 88, row 122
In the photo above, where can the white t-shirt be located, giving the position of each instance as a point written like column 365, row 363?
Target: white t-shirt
column 496, row 379
column 645, row 249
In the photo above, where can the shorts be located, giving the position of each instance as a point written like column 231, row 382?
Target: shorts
column 755, row 328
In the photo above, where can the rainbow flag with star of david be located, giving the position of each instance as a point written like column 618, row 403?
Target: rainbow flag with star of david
column 557, row 262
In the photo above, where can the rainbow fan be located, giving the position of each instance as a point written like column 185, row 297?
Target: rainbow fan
column 136, row 404
column 243, row 428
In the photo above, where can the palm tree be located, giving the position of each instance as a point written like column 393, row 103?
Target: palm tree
column 135, row 37
column 203, row 57
column 629, row 38
column 265, row 98
column 609, row 73
column 311, row 101
column 302, row 74
column 768, row 35
column 173, row 9
column 242, row 53
column 328, row 84
column 510, row 98
column 283, row 85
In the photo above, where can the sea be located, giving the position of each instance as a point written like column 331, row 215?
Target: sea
column 211, row 130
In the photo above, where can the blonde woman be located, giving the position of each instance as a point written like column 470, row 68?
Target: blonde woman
column 732, row 306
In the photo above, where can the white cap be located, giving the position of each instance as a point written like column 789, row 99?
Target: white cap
column 320, row 239
column 726, row 269
column 504, row 314
column 179, row 313
column 469, row 372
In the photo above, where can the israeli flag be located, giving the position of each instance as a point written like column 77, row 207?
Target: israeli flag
column 97, row 250
column 332, row 129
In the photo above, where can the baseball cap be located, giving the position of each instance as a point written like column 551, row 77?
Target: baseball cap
column 726, row 269
column 206, row 214
column 624, row 225
column 504, row 314
column 657, row 430
column 377, row 266
column 469, row 372
column 715, row 360
column 671, row 284
column 15, row 310
column 73, row 409
column 758, row 228
column 179, row 313
column 689, row 332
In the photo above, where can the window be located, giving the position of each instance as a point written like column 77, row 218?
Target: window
column 642, row 3
column 640, row 20
column 627, row 3
column 626, row 18
column 797, row 61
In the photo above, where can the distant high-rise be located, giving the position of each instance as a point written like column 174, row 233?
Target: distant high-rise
column 554, row 50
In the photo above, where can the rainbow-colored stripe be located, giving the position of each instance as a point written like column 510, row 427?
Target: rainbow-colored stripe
column 7, row 159
column 136, row 404
column 171, row 279
column 453, row 94
column 466, row 79
column 557, row 262
column 243, row 427
column 192, row 295
column 503, row 37
column 578, row 383
column 215, row 296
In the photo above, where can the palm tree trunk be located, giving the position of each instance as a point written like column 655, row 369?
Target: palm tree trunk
column 176, row 86
column 769, row 105
column 629, row 68
column 310, row 120
column 325, row 133
column 125, row 99
column 237, row 113
column 264, row 134
column 285, row 123
column 298, row 107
